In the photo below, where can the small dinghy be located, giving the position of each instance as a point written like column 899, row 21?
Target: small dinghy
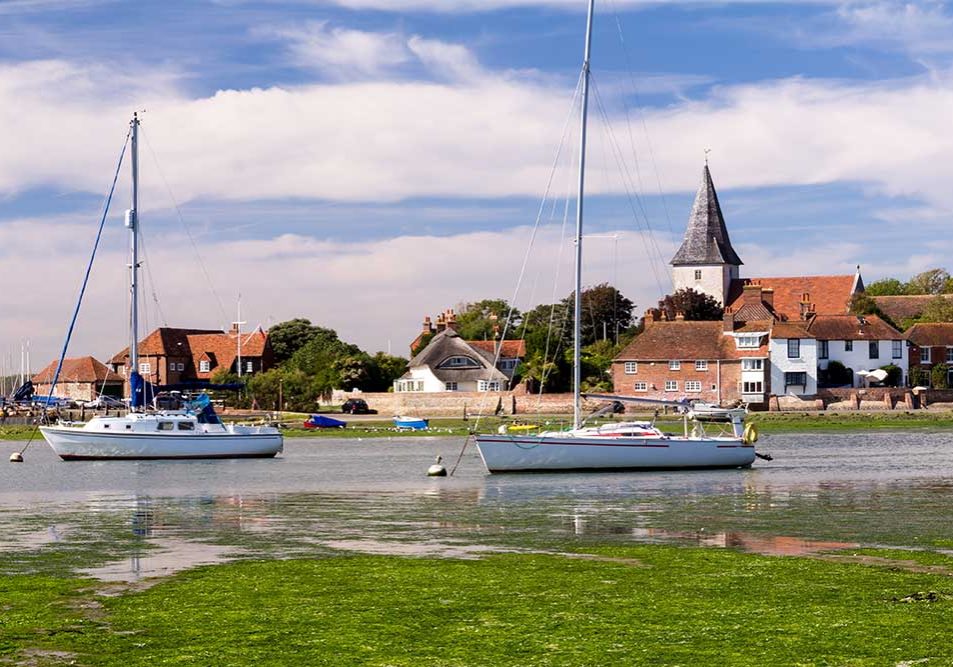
column 411, row 423
column 320, row 421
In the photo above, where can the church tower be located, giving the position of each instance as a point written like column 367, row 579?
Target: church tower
column 706, row 262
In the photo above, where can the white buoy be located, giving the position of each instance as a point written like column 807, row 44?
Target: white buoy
column 16, row 457
column 437, row 470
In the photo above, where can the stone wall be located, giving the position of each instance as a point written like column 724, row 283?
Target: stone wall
column 453, row 403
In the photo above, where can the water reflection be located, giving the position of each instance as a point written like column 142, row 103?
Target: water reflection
column 133, row 520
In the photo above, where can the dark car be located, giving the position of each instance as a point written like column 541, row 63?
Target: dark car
column 357, row 406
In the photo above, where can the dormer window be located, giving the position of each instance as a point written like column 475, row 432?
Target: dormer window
column 204, row 366
column 748, row 341
column 459, row 362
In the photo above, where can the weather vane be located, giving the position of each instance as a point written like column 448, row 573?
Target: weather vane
column 707, row 151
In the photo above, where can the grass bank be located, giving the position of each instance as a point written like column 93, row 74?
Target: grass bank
column 633, row 605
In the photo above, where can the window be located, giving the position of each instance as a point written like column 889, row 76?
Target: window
column 145, row 368
column 874, row 352
column 949, row 354
column 488, row 385
column 507, row 364
column 166, row 426
column 693, row 385
column 675, row 365
column 641, row 386
column 896, row 347
column 671, row 385
column 848, row 346
column 701, row 365
column 451, row 386
column 631, row 367
column 924, row 355
column 249, row 366
column 698, row 274
column 752, row 364
column 186, row 426
column 749, row 341
column 822, row 349
column 794, row 348
column 795, row 379
column 204, row 366
column 752, row 387
column 458, row 362
column 181, row 366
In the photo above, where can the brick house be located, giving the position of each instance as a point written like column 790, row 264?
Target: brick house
column 81, row 379
column 931, row 343
column 674, row 360
column 172, row 356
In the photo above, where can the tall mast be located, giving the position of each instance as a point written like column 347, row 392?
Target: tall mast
column 132, row 222
column 577, row 306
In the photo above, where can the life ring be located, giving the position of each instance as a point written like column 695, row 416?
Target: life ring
column 750, row 434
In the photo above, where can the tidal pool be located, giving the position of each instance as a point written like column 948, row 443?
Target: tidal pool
column 126, row 521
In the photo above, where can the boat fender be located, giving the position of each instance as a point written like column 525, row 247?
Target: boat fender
column 750, row 434
column 437, row 470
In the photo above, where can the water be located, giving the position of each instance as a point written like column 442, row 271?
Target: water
column 126, row 521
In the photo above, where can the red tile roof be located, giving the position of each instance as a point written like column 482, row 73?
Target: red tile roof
column 511, row 349
column 931, row 334
column 684, row 340
column 163, row 342
column 198, row 344
column 829, row 295
column 77, row 369
column 837, row 327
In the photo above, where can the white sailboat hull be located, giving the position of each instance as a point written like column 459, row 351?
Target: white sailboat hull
column 77, row 444
column 515, row 453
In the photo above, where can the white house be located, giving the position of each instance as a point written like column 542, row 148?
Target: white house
column 449, row 363
column 801, row 349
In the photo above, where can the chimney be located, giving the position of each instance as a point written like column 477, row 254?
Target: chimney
column 679, row 316
column 728, row 321
column 427, row 327
column 767, row 297
column 451, row 319
column 234, row 330
column 806, row 307
column 649, row 318
column 751, row 295
column 441, row 323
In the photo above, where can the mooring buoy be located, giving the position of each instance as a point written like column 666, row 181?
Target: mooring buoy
column 16, row 457
column 437, row 470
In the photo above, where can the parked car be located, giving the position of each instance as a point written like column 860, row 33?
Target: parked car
column 107, row 402
column 357, row 406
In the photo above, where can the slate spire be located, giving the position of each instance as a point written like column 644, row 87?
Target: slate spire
column 706, row 238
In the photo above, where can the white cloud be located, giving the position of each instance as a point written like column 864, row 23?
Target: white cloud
column 343, row 53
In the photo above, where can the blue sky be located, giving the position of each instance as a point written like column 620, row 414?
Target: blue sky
column 367, row 162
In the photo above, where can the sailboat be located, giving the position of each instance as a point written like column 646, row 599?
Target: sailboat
column 193, row 432
column 617, row 446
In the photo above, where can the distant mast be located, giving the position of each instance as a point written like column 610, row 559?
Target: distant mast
column 577, row 306
column 132, row 222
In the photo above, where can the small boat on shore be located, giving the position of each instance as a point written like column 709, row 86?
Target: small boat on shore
column 320, row 421
column 411, row 423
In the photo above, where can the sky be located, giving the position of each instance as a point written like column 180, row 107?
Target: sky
column 364, row 163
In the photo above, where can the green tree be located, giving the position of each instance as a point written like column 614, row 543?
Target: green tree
column 886, row 287
column 894, row 375
column 605, row 313
column 938, row 309
column 384, row 370
column 484, row 319
column 286, row 338
column 932, row 281
column 939, row 377
column 693, row 305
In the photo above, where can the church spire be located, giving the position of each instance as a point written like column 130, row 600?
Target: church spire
column 706, row 239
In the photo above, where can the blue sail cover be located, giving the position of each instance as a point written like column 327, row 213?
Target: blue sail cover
column 142, row 392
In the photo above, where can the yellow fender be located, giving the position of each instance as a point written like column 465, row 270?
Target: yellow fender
column 750, row 434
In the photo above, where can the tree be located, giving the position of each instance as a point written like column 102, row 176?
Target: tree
column 286, row 338
column 693, row 305
column 485, row 319
column 605, row 312
column 862, row 304
column 933, row 281
column 886, row 287
column 894, row 375
column 938, row 309
column 384, row 370
column 939, row 377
